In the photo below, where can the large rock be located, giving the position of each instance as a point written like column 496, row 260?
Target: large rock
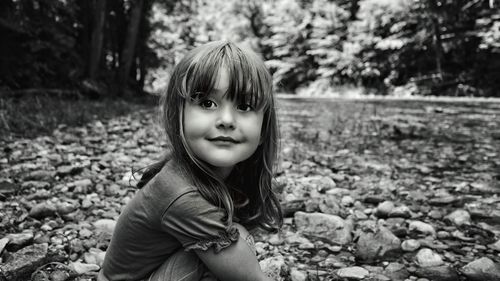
column 330, row 227
column 21, row 264
column 372, row 246
column 482, row 269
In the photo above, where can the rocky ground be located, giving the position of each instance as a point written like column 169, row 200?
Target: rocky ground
column 371, row 191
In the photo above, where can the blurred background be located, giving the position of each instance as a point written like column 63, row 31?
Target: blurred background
column 315, row 47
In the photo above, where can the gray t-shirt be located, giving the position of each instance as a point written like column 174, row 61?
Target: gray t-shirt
column 164, row 216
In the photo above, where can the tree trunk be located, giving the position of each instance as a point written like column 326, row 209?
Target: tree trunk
column 437, row 41
column 128, row 51
column 97, row 37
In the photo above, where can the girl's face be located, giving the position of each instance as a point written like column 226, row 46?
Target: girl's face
column 220, row 131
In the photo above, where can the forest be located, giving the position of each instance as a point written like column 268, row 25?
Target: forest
column 127, row 47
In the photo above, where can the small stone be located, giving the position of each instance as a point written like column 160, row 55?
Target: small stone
column 396, row 271
column 43, row 210
column 438, row 273
column 354, row 272
column 400, row 212
column 59, row 275
column 347, row 201
column 483, row 269
column 384, row 209
column 274, row 267
column 85, row 233
column 83, row 268
column 422, row 227
column 495, row 246
column 19, row 240
column 297, row 275
column 410, row 245
column 94, row 256
column 64, row 208
column 427, row 258
column 459, row 217
column 105, row 226
column 372, row 246
column 443, row 234
column 3, row 242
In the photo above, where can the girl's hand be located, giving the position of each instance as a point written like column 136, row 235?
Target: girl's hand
column 236, row 262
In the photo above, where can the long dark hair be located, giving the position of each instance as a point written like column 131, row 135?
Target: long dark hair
column 248, row 189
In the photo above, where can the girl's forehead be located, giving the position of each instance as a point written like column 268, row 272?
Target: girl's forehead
column 222, row 82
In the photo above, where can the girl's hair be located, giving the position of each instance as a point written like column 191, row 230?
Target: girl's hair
column 249, row 184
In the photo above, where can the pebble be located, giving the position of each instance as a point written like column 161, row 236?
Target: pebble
column 410, row 245
column 297, row 275
column 422, row 227
column 459, row 217
column 354, row 272
column 438, row 273
column 3, row 242
column 43, row 210
column 105, row 226
column 384, row 209
column 400, row 212
column 19, row 240
column 427, row 258
column 371, row 246
column 83, row 268
column 274, row 267
column 495, row 246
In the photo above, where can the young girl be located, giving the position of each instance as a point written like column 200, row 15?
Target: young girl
column 190, row 219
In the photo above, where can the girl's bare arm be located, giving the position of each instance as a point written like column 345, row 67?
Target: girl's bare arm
column 236, row 262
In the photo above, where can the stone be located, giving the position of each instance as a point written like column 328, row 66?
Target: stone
column 384, row 208
column 83, row 268
column 106, row 226
column 400, row 212
column 396, row 271
column 410, row 245
column 94, row 256
column 354, row 272
column 438, row 273
column 330, row 227
column 43, row 210
column 329, row 205
column 372, row 246
column 459, row 217
column 483, row 269
column 3, row 242
column 495, row 246
column 19, row 240
column 297, row 275
column 64, row 208
column 422, row 227
column 7, row 188
column 274, row 267
column 22, row 263
column 427, row 258
column 59, row 275
column 40, row 175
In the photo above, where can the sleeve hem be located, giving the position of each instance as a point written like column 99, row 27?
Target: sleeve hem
column 224, row 240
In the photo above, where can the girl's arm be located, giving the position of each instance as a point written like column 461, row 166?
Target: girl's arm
column 236, row 262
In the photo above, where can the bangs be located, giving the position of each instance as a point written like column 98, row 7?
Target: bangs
column 249, row 81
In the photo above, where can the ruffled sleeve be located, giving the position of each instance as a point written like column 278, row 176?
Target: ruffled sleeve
column 197, row 224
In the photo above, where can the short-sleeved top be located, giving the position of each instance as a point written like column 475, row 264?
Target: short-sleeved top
column 167, row 214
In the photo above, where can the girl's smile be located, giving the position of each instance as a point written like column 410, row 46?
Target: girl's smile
column 220, row 131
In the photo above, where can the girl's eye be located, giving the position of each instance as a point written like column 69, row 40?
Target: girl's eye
column 245, row 107
column 207, row 104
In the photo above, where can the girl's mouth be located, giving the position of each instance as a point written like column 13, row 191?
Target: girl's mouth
column 224, row 139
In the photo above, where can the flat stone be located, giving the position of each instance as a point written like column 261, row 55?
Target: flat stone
column 372, row 246
column 105, row 226
column 19, row 240
column 422, row 227
column 330, row 227
column 354, row 272
column 43, row 210
column 83, row 268
column 483, row 269
column 428, row 258
column 7, row 188
column 400, row 212
column 21, row 264
column 438, row 273
column 396, row 271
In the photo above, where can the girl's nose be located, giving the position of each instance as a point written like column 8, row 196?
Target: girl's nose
column 226, row 118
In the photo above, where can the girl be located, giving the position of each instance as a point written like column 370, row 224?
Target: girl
column 190, row 219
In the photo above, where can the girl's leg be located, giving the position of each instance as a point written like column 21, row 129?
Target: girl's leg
column 181, row 266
